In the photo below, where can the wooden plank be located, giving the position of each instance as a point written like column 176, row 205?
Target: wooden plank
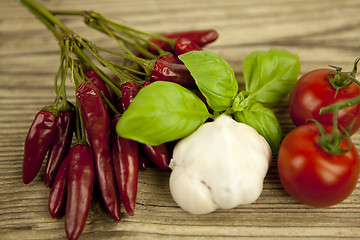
column 321, row 32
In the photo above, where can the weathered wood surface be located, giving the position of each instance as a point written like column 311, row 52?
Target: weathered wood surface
column 321, row 32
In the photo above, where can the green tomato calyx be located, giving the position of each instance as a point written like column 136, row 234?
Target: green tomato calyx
column 330, row 143
column 339, row 79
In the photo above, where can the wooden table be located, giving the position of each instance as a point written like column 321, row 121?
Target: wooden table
column 321, row 32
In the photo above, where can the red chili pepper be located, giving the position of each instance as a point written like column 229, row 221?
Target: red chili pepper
column 129, row 91
column 39, row 138
column 157, row 154
column 146, row 83
column 142, row 162
column 98, row 82
column 60, row 145
column 57, row 198
column 172, row 72
column 200, row 37
column 80, row 184
column 171, row 58
column 126, row 163
column 184, row 45
column 163, row 45
column 97, row 124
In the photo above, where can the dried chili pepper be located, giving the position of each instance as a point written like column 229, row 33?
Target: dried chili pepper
column 97, row 124
column 80, row 184
column 171, row 58
column 61, row 143
column 129, row 91
column 57, row 197
column 172, row 72
column 163, row 45
column 184, row 45
column 38, row 140
column 126, row 163
column 200, row 37
column 143, row 164
column 157, row 154
column 98, row 82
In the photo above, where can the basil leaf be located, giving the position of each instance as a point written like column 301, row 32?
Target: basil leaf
column 264, row 121
column 162, row 112
column 214, row 77
column 270, row 75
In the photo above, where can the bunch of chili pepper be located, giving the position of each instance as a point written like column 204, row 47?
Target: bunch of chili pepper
column 97, row 155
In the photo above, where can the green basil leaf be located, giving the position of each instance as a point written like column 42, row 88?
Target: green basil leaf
column 162, row 112
column 264, row 121
column 214, row 77
column 270, row 75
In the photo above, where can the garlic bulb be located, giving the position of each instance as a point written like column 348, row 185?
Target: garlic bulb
column 221, row 165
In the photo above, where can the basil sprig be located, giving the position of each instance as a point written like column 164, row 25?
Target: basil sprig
column 163, row 111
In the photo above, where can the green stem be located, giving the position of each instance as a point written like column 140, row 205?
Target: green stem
column 67, row 12
column 45, row 21
column 80, row 128
column 147, row 65
column 93, row 15
column 46, row 14
column 131, row 32
column 120, row 75
column 60, row 69
column 143, row 51
column 110, row 105
column 330, row 143
column 113, row 85
column 340, row 105
column 129, row 29
column 127, row 69
column 76, row 78
column 341, row 79
column 64, row 65
column 353, row 73
column 111, row 34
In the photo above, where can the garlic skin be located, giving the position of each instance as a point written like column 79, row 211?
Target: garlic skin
column 221, row 165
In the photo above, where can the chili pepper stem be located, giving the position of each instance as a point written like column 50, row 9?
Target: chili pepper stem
column 100, row 26
column 127, row 69
column 110, row 105
column 115, row 88
column 80, row 129
column 131, row 32
column 47, row 14
column 93, row 15
column 147, row 65
column 89, row 47
column 67, row 12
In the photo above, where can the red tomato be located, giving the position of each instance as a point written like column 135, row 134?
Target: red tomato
column 313, row 176
column 314, row 91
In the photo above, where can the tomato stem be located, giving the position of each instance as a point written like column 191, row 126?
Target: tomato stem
column 330, row 143
column 340, row 105
column 341, row 79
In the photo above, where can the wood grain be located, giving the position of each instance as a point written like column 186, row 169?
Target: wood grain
column 321, row 32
